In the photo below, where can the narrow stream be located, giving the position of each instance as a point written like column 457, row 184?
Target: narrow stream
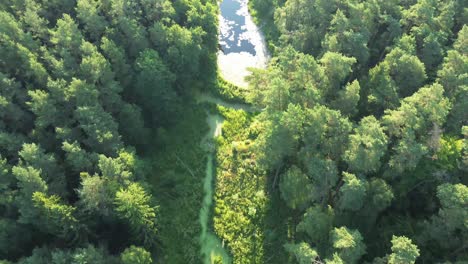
column 242, row 46
column 211, row 247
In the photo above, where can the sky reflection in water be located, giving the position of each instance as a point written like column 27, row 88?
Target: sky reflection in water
column 242, row 44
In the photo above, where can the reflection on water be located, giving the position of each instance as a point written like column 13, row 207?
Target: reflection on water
column 233, row 32
column 242, row 44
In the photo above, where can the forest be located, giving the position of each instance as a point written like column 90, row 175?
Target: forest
column 351, row 146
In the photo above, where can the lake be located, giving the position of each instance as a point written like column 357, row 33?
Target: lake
column 241, row 42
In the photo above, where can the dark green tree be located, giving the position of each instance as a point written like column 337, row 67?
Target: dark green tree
column 134, row 205
column 296, row 188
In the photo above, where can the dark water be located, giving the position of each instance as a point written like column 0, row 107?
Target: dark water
column 230, row 38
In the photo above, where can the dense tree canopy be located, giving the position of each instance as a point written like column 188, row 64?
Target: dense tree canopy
column 378, row 94
column 83, row 86
column 352, row 145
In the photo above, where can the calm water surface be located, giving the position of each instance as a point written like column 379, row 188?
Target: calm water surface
column 242, row 44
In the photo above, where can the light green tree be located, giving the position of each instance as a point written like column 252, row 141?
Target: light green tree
column 100, row 129
column 67, row 36
column 29, row 182
column 43, row 106
column 348, row 99
column 6, row 179
column 88, row 12
column 352, row 193
column 454, row 198
column 408, row 153
column 54, row 216
column 403, row 251
column 33, row 20
column 367, row 146
column 419, row 112
column 34, row 156
column 347, row 37
column 335, row 260
column 348, row 244
column 135, row 255
column 382, row 89
column 379, row 194
column 302, row 252
column 326, row 132
column 76, row 157
column 337, row 68
column 277, row 97
column 96, row 194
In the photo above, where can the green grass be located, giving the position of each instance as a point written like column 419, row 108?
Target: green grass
column 229, row 92
column 240, row 200
column 177, row 172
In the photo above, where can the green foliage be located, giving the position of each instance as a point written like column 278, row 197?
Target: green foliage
column 367, row 146
column 82, row 255
column 337, row 68
column 380, row 194
column 383, row 92
column 10, row 243
column 100, row 129
column 335, row 260
column 5, row 177
column 134, row 205
column 32, row 155
column 353, row 192
column 326, row 133
column 359, row 121
column 88, row 12
column 452, row 76
column 152, row 70
column 464, row 160
column 342, row 38
column 29, row 182
column 317, row 223
column 136, row 255
column 348, row 244
column 453, row 199
column 96, row 194
column 324, row 175
column 275, row 142
column 66, row 35
column 74, row 79
column 403, row 251
column 303, row 253
column 241, row 192
column 408, row 153
column 348, row 99
column 55, row 217
column 390, row 67
column 418, row 112
column 76, row 157
column 305, row 81
column 296, row 188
